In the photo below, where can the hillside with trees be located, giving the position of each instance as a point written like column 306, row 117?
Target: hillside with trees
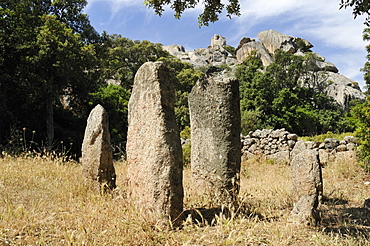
column 55, row 67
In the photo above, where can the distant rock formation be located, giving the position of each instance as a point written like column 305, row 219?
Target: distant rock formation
column 273, row 40
column 341, row 88
column 214, row 55
column 247, row 45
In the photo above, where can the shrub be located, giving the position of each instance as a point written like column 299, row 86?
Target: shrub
column 361, row 112
column 186, row 154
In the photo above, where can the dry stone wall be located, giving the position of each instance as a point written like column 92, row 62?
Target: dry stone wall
column 282, row 146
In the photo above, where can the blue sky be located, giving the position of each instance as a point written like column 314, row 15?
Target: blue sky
column 333, row 32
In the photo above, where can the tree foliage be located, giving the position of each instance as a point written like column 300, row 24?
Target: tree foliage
column 366, row 68
column 211, row 8
column 47, row 52
column 185, row 78
column 285, row 95
column 114, row 99
column 361, row 112
column 359, row 7
column 123, row 57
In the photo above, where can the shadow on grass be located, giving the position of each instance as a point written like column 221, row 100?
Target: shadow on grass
column 333, row 201
column 211, row 216
column 354, row 222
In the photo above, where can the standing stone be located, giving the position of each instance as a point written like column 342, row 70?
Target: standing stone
column 299, row 147
column 97, row 159
column 215, row 135
column 306, row 186
column 154, row 154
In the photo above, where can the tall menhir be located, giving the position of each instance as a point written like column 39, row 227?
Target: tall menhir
column 215, row 135
column 154, row 154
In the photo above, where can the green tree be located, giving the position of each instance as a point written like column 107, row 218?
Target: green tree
column 361, row 112
column 185, row 78
column 47, row 50
column 366, row 68
column 62, row 59
column 123, row 57
column 277, row 97
column 17, row 35
column 114, row 99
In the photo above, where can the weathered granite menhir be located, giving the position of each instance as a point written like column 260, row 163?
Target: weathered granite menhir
column 154, row 154
column 307, row 187
column 97, row 159
column 215, row 135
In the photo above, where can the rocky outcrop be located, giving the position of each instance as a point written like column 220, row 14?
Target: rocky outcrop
column 154, row 155
column 341, row 88
column 214, row 55
column 247, row 46
column 215, row 130
column 218, row 41
column 273, row 40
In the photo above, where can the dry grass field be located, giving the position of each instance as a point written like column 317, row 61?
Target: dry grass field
column 44, row 202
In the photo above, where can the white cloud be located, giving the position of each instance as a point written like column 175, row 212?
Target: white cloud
column 323, row 19
column 320, row 22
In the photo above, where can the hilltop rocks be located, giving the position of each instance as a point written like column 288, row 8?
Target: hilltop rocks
column 218, row 41
column 273, row 40
column 247, row 46
column 215, row 130
column 341, row 88
column 174, row 49
column 97, row 159
column 154, row 154
column 214, row 55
